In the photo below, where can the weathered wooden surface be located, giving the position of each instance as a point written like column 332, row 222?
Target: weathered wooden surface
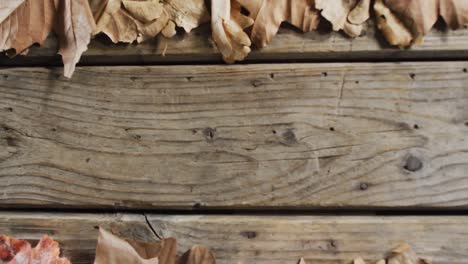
column 289, row 44
column 257, row 239
column 290, row 135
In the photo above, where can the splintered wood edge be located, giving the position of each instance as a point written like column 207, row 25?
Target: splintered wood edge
column 288, row 45
column 256, row 239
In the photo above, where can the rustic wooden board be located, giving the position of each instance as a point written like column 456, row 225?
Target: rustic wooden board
column 372, row 135
column 258, row 239
column 289, row 44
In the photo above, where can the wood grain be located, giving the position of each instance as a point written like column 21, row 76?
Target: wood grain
column 369, row 135
column 289, row 44
column 258, row 239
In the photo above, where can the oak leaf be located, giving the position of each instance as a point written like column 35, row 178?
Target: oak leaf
column 24, row 23
column 15, row 251
column 112, row 249
column 346, row 15
column 74, row 29
column 228, row 24
column 406, row 22
column 269, row 14
column 140, row 20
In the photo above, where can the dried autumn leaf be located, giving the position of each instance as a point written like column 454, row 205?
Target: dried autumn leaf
column 24, row 23
column 302, row 261
column 74, row 30
column 228, row 24
column 359, row 261
column 404, row 254
column 140, row 20
column 15, row 251
column 198, row 255
column 346, row 15
column 269, row 14
column 406, row 22
column 111, row 249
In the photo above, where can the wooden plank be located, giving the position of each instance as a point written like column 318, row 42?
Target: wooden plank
column 258, row 239
column 364, row 135
column 289, row 44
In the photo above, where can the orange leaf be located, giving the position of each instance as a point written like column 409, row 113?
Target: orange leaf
column 14, row 251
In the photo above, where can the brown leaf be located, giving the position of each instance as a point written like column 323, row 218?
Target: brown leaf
column 198, row 255
column 24, row 23
column 406, row 22
column 269, row 14
column 140, row 20
column 14, row 251
column 111, row 249
column 74, row 30
column 346, row 15
column 404, row 254
column 227, row 25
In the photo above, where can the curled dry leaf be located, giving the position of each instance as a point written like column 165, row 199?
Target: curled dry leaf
column 228, row 24
column 269, row 14
column 404, row 254
column 140, row 20
column 111, row 249
column 15, row 251
column 74, row 30
column 346, row 15
column 24, row 23
column 406, row 22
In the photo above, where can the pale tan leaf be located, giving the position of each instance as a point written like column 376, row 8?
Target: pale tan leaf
column 382, row 261
column 404, row 254
column 140, row 20
column 75, row 27
column 187, row 14
column 398, row 17
column 7, row 7
column 169, row 30
column 391, row 27
column 227, row 25
column 111, row 249
column 359, row 261
column 31, row 22
column 346, row 15
column 269, row 14
column 198, row 255
column 360, row 13
column 454, row 12
column 144, row 11
column 302, row 261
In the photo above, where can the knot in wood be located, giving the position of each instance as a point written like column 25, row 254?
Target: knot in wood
column 413, row 164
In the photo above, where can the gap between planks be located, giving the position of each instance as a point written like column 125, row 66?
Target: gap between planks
column 256, row 239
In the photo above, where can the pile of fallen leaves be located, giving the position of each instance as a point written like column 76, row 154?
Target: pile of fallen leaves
column 112, row 249
column 25, row 22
